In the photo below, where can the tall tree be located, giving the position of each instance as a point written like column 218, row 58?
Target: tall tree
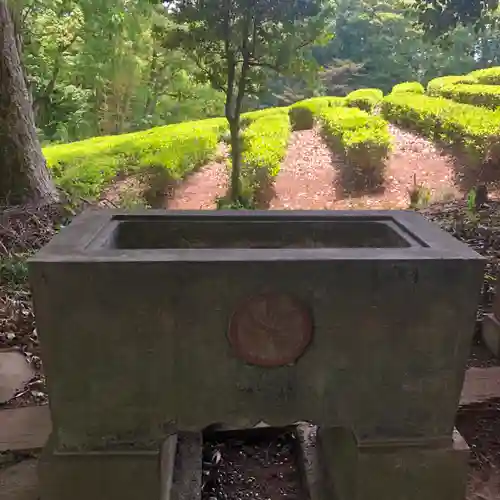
column 23, row 172
column 234, row 43
column 440, row 17
column 381, row 36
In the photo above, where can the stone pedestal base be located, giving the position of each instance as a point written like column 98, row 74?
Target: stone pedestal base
column 399, row 471
column 491, row 334
column 116, row 474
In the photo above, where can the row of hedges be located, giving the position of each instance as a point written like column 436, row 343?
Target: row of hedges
column 365, row 99
column 434, row 86
column 487, row 96
column 251, row 116
column 164, row 154
column 479, row 88
column 303, row 113
column 265, row 143
column 476, row 131
column 364, row 141
column 488, row 76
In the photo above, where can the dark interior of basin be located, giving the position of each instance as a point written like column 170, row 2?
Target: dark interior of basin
column 163, row 233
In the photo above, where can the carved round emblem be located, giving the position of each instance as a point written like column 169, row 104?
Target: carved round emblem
column 271, row 329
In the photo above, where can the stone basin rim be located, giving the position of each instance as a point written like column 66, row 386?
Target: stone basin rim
column 83, row 239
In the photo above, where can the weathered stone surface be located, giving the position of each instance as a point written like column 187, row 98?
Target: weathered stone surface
column 421, row 471
column 308, row 461
column 392, row 300
column 167, row 466
column 19, row 481
column 392, row 324
column 491, row 333
column 15, row 373
column 187, row 481
column 112, row 474
column 480, row 385
column 24, row 428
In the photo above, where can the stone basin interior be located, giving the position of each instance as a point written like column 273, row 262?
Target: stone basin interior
column 198, row 232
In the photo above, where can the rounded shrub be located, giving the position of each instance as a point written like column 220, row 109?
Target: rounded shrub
column 365, row 99
column 411, row 87
column 303, row 113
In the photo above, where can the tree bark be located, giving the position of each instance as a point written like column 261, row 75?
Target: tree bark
column 24, row 176
column 234, row 129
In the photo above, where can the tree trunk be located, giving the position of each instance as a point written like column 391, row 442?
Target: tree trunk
column 234, row 128
column 24, row 176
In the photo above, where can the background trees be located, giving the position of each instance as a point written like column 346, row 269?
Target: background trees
column 102, row 67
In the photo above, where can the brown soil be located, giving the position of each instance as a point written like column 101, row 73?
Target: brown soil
column 309, row 175
column 202, row 188
column 306, row 178
column 124, row 192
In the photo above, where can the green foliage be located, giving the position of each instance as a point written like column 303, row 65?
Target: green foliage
column 478, row 95
column 264, row 147
column 434, row 86
column 98, row 67
column 86, row 168
column 104, row 67
column 412, row 87
column 471, row 200
column 475, row 130
column 363, row 139
column 383, row 37
column 251, row 116
column 488, row 76
column 14, row 270
column 303, row 113
column 439, row 17
column 365, row 99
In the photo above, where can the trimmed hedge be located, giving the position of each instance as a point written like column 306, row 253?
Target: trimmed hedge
column 412, row 87
column 251, row 116
column 476, row 131
column 365, row 99
column 86, row 168
column 434, row 86
column 265, row 143
column 487, row 96
column 363, row 139
column 489, row 76
column 303, row 113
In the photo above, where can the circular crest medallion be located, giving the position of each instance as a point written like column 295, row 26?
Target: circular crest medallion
column 270, row 329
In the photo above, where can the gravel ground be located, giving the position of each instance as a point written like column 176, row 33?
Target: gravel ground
column 308, row 176
column 202, row 188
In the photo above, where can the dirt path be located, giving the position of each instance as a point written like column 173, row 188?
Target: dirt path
column 306, row 179
column 308, row 175
column 200, row 190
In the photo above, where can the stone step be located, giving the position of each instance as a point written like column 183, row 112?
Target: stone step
column 24, row 429
column 15, row 373
column 480, row 385
column 19, row 481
